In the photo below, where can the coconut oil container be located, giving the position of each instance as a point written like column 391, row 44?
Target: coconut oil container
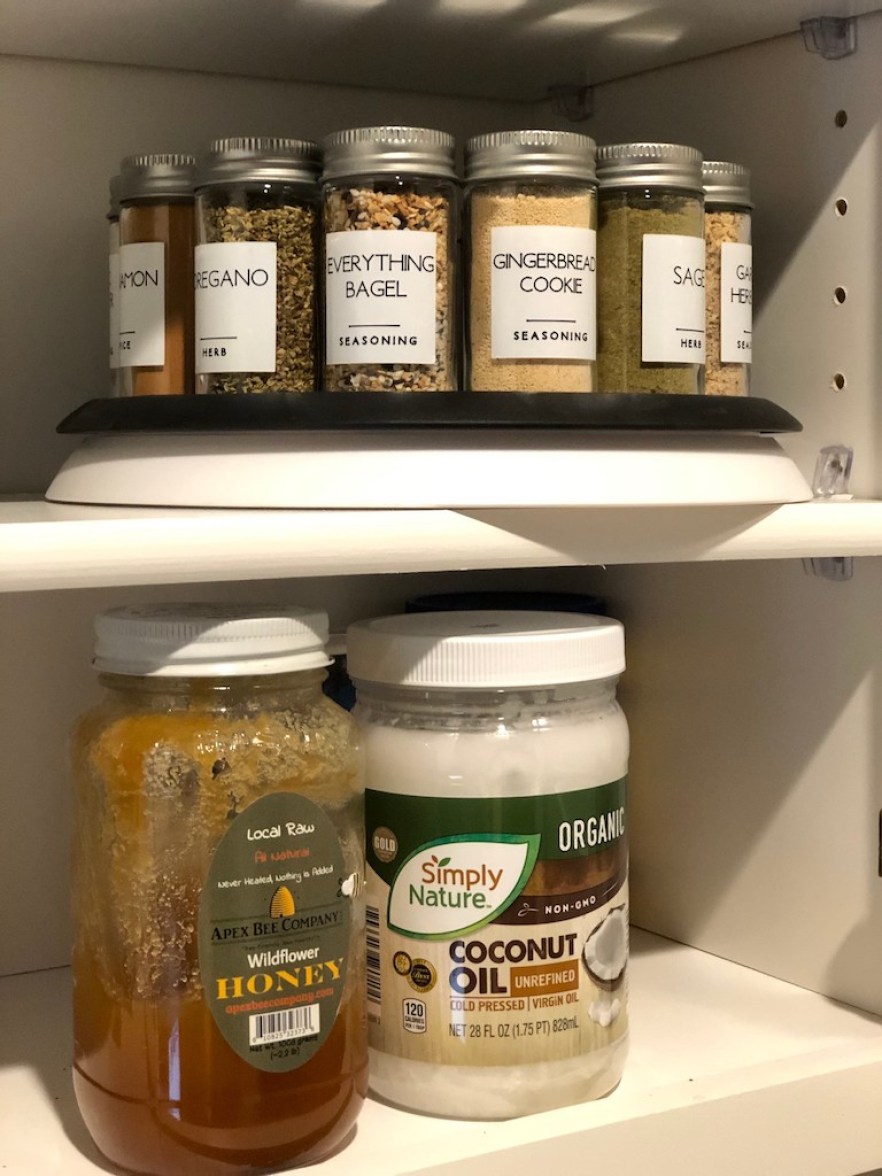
column 650, row 264
column 497, row 862
column 218, row 968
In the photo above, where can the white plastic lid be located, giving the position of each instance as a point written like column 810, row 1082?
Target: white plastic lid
column 485, row 649
column 209, row 640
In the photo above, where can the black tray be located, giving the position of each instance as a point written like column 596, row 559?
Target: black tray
column 430, row 410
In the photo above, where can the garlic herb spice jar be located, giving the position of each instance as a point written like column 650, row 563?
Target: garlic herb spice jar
column 729, row 279
column 218, row 853
column 391, row 230
column 156, row 231
column 256, row 266
column 497, row 898
column 531, row 211
column 650, row 262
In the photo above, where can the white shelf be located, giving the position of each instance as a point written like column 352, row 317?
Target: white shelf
column 717, row 1052
column 405, row 45
column 46, row 546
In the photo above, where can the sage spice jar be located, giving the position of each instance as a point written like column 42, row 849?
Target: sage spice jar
column 391, row 227
column 156, row 274
column 531, row 211
column 219, row 1017
column 650, row 262
column 729, row 278
column 256, row 262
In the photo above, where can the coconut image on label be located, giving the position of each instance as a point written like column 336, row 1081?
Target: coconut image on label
column 605, row 957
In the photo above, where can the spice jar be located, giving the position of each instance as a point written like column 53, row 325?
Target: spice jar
column 650, row 260
column 390, row 291
column 116, row 387
column 257, row 212
column 531, row 209
column 729, row 278
column 218, row 968
column 156, row 274
column 497, row 906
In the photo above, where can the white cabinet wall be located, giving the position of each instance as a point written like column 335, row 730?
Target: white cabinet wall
column 752, row 687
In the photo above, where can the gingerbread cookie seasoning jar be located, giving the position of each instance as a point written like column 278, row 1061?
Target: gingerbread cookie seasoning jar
column 156, row 231
column 497, row 863
column 729, row 278
column 391, row 226
column 256, row 261
column 218, row 973
column 650, row 266
column 531, row 212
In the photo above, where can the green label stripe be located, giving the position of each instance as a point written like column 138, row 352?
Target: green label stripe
column 569, row 824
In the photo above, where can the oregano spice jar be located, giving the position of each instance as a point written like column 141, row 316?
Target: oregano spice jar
column 729, row 263
column 650, row 263
column 218, row 972
column 531, row 215
column 156, row 233
column 391, row 217
column 497, row 863
column 256, row 263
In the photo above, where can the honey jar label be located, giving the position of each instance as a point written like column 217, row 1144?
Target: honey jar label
column 274, row 924
column 493, row 920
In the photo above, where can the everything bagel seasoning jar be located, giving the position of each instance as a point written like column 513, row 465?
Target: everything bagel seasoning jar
column 218, row 967
column 497, row 901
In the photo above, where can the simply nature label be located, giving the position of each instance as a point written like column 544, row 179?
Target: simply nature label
column 459, row 884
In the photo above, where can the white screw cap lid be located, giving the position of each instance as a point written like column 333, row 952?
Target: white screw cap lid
column 209, row 640
column 485, row 649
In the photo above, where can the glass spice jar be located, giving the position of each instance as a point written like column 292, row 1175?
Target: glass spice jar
column 156, row 274
column 256, row 261
column 650, row 263
column 113, row 285
column 218, row 965
column 391, row 227
column 531, row 212
column 729, row 278
column 497, row 863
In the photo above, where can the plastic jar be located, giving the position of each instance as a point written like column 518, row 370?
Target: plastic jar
column 391, row 220
column 650, row 265
column 256, row 266
column 156, row 232
column 218, row 848
column 496, row 758
column 729, row 278
column 531, row 211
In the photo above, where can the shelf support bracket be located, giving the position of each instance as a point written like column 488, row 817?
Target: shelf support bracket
column 831, row 36
column 575, row 103
column 831, row 484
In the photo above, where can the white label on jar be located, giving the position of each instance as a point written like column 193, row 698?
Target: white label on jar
column 478, row 941
column 142, row 305
column 236, row 306
column 543, row 292
column 673, row 299
column 380, row 295
column 736, row 302
column 113, row 296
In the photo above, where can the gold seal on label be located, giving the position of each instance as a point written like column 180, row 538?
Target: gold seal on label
column 422, row 976
column 402, row 963
column 384, row 844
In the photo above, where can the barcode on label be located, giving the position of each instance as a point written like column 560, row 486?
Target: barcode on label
column 285, row 1025
column 372, row 938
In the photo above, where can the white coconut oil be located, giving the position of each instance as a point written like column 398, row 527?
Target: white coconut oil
column 496, row 757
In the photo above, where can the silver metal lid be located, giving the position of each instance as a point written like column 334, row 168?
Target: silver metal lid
column 113, row 192
column 554, row 154
column 154, row 177
column 261, row 160
column 363, row 150
column 657, row 165
column 726, row 183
